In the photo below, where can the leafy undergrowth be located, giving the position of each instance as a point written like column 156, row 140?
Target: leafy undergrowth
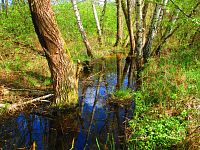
column 167, row 106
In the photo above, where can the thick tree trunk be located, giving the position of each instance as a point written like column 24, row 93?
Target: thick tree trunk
column 97, row 22
column 63, row 72
column 119, row 23
column 81, row 29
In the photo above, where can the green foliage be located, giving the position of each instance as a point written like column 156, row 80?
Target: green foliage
column 160, row 133
column 161, row 110
column 17, row 24
column 69, row 29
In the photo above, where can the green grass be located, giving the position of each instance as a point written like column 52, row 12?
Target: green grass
column 18, row 27
column 122, row 94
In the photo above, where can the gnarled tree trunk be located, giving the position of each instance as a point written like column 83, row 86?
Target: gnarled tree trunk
column 63, row 72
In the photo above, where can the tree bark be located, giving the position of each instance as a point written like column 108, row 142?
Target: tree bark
column 152, row 32
column 81, row 29
column 128, row 17
column 119, row 23
column 139, row 34
column 144, row 14
column 168, row 33
column 63, row 72
column 97, row 22
column 103, row 16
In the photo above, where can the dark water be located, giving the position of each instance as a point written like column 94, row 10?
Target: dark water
column 101, row 123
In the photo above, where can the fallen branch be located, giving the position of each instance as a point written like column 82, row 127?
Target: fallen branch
column 14, row 106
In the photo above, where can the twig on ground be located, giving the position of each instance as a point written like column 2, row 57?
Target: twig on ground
column 14, row 106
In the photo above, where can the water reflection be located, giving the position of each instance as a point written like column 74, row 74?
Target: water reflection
column 100, row 122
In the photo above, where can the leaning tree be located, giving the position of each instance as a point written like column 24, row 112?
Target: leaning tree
column 63, row 71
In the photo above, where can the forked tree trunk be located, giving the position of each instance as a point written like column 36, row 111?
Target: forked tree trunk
column 63, row 72
column 81, row 29
column 119, row 23
column 97, row 22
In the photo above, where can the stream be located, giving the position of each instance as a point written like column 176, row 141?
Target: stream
column 100, row 125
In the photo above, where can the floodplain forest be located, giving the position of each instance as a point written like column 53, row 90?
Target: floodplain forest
column 100, row 74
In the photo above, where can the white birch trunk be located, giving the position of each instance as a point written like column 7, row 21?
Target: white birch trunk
column 97, row 22
column 168, row 32
column 152, row 31
column 81, row 29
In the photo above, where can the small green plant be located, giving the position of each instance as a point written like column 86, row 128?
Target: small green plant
column 47, row 82
column 123, row 94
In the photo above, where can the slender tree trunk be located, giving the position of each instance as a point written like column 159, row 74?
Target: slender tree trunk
column 119, row 23
column 6, row 7
column 103, row 16
column 162, row 14
column 97, row 22
column 152, row 32
column 81, row 29
column 3, row 5
column 139, row 34
column 144, row 14
column 63, row 72
column 127, row 13
column 168, row 33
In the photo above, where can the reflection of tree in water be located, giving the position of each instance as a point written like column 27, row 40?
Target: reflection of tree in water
column 99, row 120
column 63, row 130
